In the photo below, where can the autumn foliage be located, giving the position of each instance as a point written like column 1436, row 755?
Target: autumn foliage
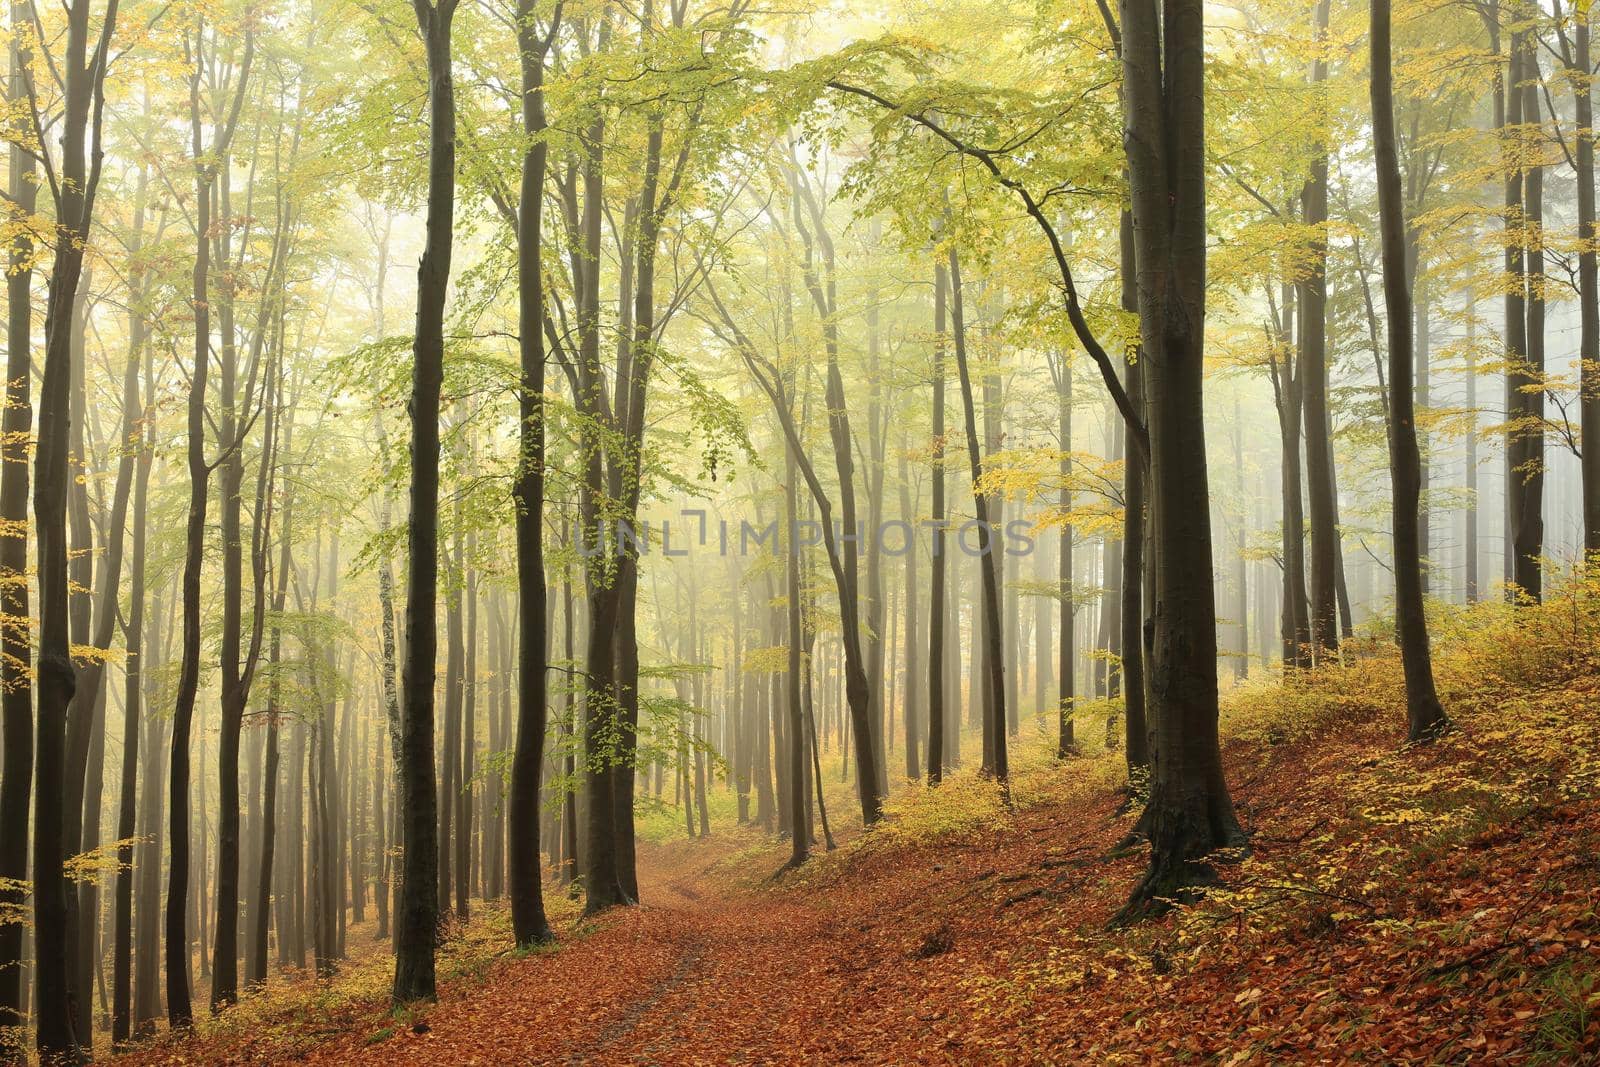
column 1399, row 904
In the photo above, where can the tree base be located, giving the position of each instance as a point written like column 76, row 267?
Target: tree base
column 540, row 937
column 1428, row 727
column 1185, row 843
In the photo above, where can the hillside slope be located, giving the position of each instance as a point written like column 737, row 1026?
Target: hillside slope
column 1400, row 904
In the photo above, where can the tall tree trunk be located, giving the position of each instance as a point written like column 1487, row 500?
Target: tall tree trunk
column 1190, row 813
column 240, row 653
column 1425, row 717
column 451, row 840
column 1066, row 737
column 16, row 652
column 205, row 160
column 1324, row 623
column 74, row 181
column 416, row 922
column 86, row 711
column 874, row 486
column 256, row 964
column 147, row 891
column 1508, row 117
column 1422, row 346
column 995, row 721
column 571, row 862
column 799, row 805
column 528, row 921
column 1469, row 545
column 602, row 874
column 469, row 740
column 910, row 700
column 1527, row 498
column 139, row 443
column 90, row 688
column 1588, row 282
column 1241, row 566
column 821, row 283
column 1296, row 602
column 936, row 597
column 1135, row 526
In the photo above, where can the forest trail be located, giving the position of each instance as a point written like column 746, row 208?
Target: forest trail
column 1401, row 904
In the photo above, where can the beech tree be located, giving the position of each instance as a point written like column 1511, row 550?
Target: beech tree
column 418, row 913
column 697, row 287
column 1425, row 716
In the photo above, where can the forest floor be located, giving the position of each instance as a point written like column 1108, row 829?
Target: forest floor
column 1400, row 904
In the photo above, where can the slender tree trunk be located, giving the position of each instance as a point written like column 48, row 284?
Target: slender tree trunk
column 1508, row 117
column 936, row 597
column 822, row 286
column 1527, row 499
column 601, row 715
column 239, row 654
column 469, row 714
column 416, row 922
column 910, row 701
column 1470, row 547
column 874, row 597
column 799, row 805
column 1135, row 524
column 56, row 823
column 1296, row 602
column 256, row 965
column 16, row 652
column 139, row 444
column 1588, row 283
column 1425, row 716
column 528, row 921
column 205, row 162
column 1324, row 621
column 1422, row 347
column 85, row 712
column 995, row 720
column 569, row 806
column 741, row 732
column 1241, row 566
column 1066, row 737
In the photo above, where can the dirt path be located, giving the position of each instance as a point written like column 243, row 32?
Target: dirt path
column 702, row 967
column 988, row 942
